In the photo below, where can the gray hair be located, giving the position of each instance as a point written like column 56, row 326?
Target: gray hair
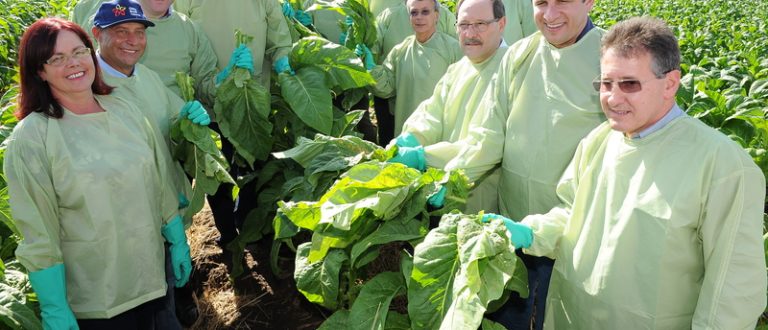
column 637, row 35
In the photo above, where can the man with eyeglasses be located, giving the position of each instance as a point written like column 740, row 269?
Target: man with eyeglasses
column 435, row 132
column 541, row 104
column 660, row 225
column 413, row 67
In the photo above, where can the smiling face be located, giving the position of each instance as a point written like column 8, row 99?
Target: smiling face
column 423, row 18
column 561, row 21
column 155, row 8
column 75, row 75
column 476, row 45
column 631, row 113
column 121, row 46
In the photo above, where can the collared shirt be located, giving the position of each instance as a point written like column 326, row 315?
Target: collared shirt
column 671, row 115
column 108, row 69
column 586, row 29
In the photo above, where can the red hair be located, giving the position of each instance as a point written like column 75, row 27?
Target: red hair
column 37, row 46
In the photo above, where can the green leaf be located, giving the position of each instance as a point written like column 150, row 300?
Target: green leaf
column 308, row 97
column 242, row 108
column 490, row 325
column 397, row 321
column 390, row 231
column 14, row 312
column 319, row 281
column 435, row 265
column 371, row 307
column 345, row 123
column 344, row 67
column 337, row 321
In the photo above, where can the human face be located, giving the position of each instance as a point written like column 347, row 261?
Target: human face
column 423, row 18
column 75, row 75
column 155, row 8
column 561, row 21
column 477, row 45
column 121, row 46
column 631, row 113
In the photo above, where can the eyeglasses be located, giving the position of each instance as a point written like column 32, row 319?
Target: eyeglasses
column 480, row 26
column 423, row 12
column 61, row 59
column 625, row 85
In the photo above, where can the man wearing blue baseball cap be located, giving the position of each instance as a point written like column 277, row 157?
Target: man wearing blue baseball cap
column 120, row 29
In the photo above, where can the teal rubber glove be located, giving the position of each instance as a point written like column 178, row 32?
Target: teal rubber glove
column 288, row 10
column 412, row 157
column 343, row 36
column 282, row 65
column 51, row 287
column 183, row 201
column 196, row 113
column 407, row 140
column 521, row 235
column 242, row 58
column 303, row 18
column 363, row 51
column 438, row 199
column 181, row 261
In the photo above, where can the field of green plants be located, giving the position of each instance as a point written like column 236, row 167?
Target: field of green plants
column 725, row 83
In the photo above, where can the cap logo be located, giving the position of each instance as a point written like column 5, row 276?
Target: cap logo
column 119, row 10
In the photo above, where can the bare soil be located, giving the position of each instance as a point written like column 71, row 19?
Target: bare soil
column 255, row 300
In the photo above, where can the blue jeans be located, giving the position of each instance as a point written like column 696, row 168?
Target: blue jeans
column 517, row 313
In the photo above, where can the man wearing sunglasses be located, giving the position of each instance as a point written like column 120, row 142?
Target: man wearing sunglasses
column 660, row 225
column 541, row 104
column 413, row 67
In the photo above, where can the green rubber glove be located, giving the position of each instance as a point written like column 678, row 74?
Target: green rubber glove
column 412, row 157
column 521, row 234
column 288, row 10
column 437, row 200
column 196, row 113
column 51, row 287
column 303, row 18
column 406, row 140
column 180, row 257
column 282, row 65
column 363, row 51
column 241, row 57
column 183, row 201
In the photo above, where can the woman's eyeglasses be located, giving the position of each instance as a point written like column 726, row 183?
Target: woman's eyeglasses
column 60, row 59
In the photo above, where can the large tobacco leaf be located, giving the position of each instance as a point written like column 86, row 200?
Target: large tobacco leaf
column 344, row 68
column 194, row 146
column 319, row 280
column 309, row 97
column 459, row 269
column 371, row 307
column 242, row 110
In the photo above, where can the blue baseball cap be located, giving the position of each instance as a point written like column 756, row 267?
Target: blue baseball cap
column 118, row 12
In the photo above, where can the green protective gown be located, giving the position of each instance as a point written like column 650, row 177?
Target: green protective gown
column 663, row 232
column 174, row 44
column 91, row 191
column 412, row 70
column 160, row 105
column 443, row 121
column 542, row 105
column 262, row 20
column 393, row 25
column 378, row 6
column 82, row 14
column 520, row 24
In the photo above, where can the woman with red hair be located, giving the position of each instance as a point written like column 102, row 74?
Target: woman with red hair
column 88, row 189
